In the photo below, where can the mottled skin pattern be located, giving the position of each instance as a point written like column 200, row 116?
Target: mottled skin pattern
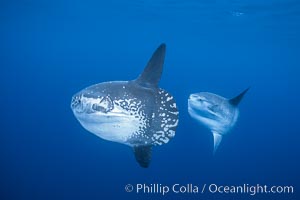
column 154, row 108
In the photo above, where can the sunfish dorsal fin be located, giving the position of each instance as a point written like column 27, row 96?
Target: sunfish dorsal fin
column 152, row 72
column 217, row 140
column 236, row 100
column 143, row 155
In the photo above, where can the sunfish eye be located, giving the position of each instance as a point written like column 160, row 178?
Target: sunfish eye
column 201, row 99
column 105, row 105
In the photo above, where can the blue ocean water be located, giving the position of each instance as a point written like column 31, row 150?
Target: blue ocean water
column 52, row 49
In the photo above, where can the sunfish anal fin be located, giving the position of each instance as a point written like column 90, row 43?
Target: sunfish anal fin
column 217, row 140
column 143, row 155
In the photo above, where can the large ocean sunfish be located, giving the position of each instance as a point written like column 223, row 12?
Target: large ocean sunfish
column 136, row 113
column 215, row 112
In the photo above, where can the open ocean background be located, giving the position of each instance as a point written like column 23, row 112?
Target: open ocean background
column 49, row 50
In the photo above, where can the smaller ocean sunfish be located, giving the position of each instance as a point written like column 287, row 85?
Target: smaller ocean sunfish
column 215, row 112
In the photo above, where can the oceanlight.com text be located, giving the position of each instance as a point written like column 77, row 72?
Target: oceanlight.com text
column 164, row 189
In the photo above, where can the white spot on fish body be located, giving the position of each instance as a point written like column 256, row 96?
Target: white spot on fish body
column 171, row 133
column 156, row 136
column 174, row 113
column 165, row 140
column 169, row 98
column 173, row 125
column 162, row 114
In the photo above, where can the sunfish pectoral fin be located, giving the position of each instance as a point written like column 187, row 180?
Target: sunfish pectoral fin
column 217, row 140
column 143, row 155
column 236, row 100
column 152, row 72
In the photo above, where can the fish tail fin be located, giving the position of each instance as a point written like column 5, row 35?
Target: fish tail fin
column 217, row 140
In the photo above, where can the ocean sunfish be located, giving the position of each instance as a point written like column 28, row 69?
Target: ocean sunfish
column 136, row 113
column 215, row 112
